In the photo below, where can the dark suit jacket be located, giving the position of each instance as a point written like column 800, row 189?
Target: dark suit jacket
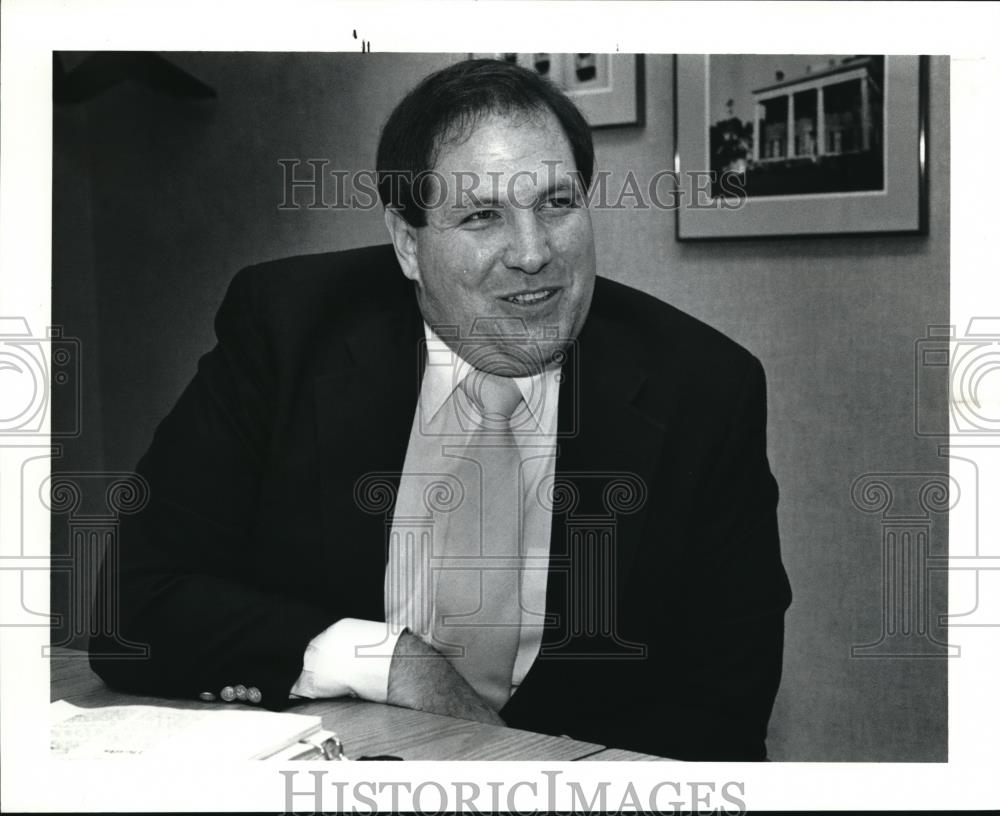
column 265, row 524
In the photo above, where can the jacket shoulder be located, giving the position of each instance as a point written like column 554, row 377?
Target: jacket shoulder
column 659, row 331
column 303, row 300
column 352, row 276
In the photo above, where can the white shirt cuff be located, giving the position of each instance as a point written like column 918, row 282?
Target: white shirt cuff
column 350, row 657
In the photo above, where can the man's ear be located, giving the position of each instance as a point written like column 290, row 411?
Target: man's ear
column 404, row 240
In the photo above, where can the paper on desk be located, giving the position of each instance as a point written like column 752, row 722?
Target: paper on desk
column 173, row 733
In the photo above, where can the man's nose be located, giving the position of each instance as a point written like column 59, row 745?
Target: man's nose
column 528, row 248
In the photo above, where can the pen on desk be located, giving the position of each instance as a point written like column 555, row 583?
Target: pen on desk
column 312, row 752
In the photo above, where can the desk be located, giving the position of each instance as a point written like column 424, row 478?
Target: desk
column 365, row 728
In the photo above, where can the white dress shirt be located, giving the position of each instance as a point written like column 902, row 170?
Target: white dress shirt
column 341, row 660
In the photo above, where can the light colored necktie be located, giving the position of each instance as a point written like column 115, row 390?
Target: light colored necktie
column 477, row 606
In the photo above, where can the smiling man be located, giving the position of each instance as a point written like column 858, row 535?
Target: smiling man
column 514, row 243
column 463, row 473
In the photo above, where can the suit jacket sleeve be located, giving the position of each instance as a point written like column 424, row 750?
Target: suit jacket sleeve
column 732, row 643
column 185, row 586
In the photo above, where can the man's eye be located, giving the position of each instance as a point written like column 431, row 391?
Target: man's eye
column 561, row 202
column 481, row 216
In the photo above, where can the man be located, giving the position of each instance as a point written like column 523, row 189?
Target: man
column 464, row 474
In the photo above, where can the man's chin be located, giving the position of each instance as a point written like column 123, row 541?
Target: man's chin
column 518, row 358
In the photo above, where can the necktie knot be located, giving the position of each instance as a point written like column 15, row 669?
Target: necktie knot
column 494, row 398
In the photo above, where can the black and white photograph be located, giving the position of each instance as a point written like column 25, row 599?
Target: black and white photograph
column 578, row 430
column 798, row 125
column 801, row 144
column 271, row 480
column 607, row 88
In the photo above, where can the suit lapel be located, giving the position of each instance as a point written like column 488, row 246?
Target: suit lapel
column 365, row 408
column 611, row 441
column 612, row 418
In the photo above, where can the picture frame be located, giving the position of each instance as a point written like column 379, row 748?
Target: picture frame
column 769, row 146
column 609, row 89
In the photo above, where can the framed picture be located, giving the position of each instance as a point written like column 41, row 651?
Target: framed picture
column 608, row 88
column 771, row 145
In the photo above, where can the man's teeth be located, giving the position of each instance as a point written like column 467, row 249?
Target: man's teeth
column 531, row 297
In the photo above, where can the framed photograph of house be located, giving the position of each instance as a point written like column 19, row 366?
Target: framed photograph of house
column 608, row 88
column 771, row 145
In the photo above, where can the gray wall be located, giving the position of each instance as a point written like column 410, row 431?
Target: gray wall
column 158, row 201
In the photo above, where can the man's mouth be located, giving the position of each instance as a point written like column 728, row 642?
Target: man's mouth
column 531, row 298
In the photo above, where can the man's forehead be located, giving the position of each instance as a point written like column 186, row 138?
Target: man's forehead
column 505, row 142
column 503, row 159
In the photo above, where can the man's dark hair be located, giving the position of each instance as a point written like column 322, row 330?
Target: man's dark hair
column 447, row 106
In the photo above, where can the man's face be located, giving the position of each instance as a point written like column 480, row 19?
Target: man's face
column 509, row 245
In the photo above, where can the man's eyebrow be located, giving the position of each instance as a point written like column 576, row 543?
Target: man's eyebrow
column 470, row 199
column 563, row 185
